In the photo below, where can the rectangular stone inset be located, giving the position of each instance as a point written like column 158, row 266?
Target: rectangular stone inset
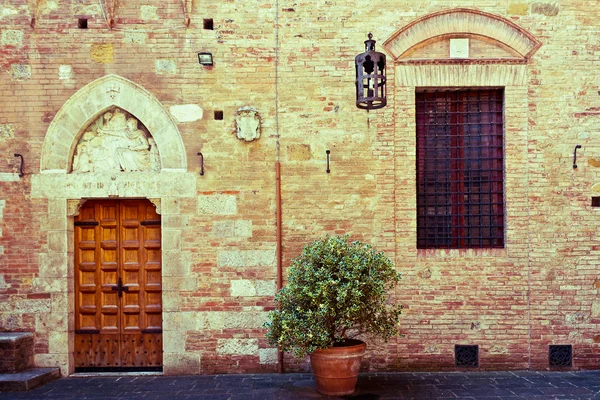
column 459, row 48
column 238, row 346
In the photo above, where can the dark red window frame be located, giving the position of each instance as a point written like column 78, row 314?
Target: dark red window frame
column 460, row 168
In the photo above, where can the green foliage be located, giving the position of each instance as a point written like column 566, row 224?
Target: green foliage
column 336, row 290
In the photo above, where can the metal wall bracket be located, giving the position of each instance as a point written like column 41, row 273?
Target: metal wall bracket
column 327, row 152
column 201, row 163
column 575, row 156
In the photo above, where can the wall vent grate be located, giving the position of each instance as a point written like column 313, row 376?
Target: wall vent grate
column 561, row 355
column 466, row 355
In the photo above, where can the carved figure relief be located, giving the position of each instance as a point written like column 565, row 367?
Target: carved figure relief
column 114, row 142
column 247, row 123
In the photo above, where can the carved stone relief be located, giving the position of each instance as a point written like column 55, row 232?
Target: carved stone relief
column 116, row 141
column 73, row 206
column 247, row 123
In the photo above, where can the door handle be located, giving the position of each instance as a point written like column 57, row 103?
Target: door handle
column 120, row 288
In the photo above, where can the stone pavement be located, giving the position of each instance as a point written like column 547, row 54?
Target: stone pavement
column 528, row 385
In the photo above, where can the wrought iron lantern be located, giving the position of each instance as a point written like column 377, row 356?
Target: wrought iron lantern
column 370, row 77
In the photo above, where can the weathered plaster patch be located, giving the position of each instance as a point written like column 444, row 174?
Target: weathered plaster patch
column 103, row 53
column 65, row 72
column 11, row 37
column 165, row 66
column 20, row 71
column 237, row 346
column 186, row 112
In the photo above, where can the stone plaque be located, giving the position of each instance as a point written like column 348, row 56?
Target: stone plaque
column 116, row 142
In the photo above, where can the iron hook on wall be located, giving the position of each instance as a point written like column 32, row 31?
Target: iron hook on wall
column 327, row 152
column 21, row 166
column 575, row 156
column 201, row 163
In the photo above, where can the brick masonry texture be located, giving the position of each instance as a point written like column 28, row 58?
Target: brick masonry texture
column 293, row 62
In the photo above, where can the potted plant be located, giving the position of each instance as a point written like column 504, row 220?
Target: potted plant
column 336, row 291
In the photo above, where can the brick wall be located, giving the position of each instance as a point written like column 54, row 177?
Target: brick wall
column 293, row 62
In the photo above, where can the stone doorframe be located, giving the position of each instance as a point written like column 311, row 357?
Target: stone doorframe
column 65, row 193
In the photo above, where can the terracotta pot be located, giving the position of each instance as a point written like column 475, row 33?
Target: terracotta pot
column 336, row 368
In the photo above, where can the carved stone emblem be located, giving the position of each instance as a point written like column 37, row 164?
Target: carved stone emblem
column 114, row 142
column 247, row 123
column 113, row 90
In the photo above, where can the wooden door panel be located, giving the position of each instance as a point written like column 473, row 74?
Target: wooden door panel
column 118, row 285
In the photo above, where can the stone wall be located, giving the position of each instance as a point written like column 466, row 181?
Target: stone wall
column 292, row 62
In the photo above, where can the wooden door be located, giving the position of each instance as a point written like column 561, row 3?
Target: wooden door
column 118, row 286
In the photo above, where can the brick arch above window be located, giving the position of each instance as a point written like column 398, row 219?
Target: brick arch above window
column 484, row 28
column 89, row 102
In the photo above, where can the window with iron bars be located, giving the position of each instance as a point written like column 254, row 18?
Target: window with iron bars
column 460, row 168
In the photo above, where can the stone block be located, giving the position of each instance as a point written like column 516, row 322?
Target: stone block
column 170, row 300
column 243, row 288
column 266, row 288
column 218, row 204
column 173, row 341
column 242, row 228
column 177, row 264
column 237, row 346
column 267, row 356
column 57, row 241
column 181, row 363
column 171, row 239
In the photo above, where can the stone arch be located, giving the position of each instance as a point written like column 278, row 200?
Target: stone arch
column 462, row 21
column 91, row 101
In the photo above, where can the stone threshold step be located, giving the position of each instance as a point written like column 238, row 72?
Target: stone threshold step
column 27, row 380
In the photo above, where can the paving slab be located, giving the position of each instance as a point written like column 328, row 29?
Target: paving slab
column 525, row 385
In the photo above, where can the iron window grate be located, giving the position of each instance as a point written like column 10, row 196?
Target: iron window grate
column 460, row 168
column 560, row 355
column 466, row 355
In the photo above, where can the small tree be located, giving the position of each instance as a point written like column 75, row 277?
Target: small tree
column 336, row 290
